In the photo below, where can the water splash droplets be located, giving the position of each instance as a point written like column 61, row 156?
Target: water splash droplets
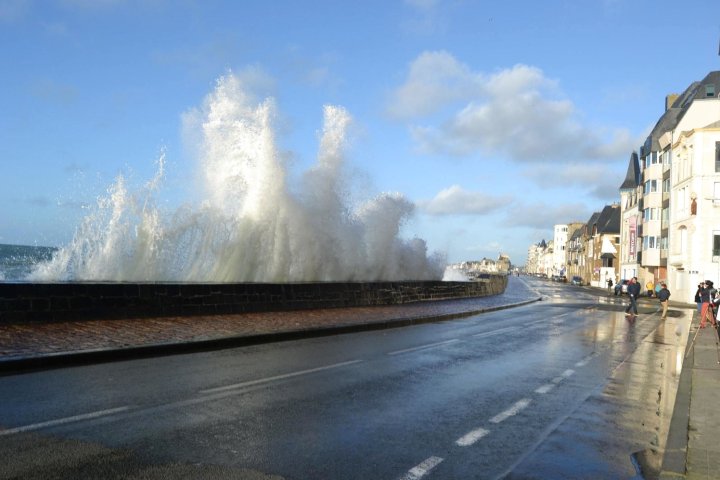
column 248, row 226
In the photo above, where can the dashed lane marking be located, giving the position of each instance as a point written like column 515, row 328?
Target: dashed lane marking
column 422, row 469
column 496, row 332
column 278, row 377
column 549, row 386
column 471, row 437
column 63, row 421
column 545, row 388
column 512, row 411
column 424, row 347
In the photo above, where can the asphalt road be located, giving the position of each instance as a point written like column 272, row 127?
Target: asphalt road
column 563, row 388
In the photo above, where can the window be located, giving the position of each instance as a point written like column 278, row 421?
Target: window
column 716, row 244
column 682, row 240
column 650, row 214
column 717, row 157
column 709, row 90
column 650, row 186
column 666, row 157
column 649, row 242
column 666, row 185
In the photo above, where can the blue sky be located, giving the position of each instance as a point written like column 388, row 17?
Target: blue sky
column 496, row 119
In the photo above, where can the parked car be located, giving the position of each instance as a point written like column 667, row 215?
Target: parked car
column 576, row 280
column 621, row 287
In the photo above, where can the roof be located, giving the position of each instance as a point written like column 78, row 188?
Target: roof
column 672, row 116
column 632, row 177
column 608, row 222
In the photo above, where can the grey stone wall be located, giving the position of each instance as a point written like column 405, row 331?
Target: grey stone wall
column 35, row 302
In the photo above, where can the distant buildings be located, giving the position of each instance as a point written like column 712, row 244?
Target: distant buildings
column 666, row 226
column 473, row 269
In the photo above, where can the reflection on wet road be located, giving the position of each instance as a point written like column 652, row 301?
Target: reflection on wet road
column 567, row 387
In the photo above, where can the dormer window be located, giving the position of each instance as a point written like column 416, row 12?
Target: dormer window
column 710, row 90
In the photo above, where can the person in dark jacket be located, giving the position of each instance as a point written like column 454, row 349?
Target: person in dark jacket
column 664, row 296
column 707, row 313
column 633, row 290
column 698, row 297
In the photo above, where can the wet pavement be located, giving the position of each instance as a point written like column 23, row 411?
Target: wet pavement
column 693, row 449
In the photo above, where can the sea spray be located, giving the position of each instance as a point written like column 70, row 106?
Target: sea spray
column 250, row 225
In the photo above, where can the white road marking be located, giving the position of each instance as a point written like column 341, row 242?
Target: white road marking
column 496, row 332
column 514, row 410
column 278, row 377
column 545, row 388
column 424, row 347
column 63, row 421
column 586, row 360
column 423, row 469
column 472, row 437
column 567, row 373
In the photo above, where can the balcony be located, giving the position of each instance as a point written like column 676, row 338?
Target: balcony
column 676, row 260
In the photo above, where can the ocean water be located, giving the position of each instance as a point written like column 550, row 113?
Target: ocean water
column 17, row 261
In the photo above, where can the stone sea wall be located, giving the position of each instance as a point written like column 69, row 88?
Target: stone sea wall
column 43, row 302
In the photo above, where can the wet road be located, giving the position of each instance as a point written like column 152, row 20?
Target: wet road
column 563, row 388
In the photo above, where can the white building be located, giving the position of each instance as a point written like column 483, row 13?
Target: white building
column 559, row 257
column 630, row 222
column 694, row 253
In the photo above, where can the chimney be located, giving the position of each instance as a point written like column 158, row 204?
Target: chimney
column 669, row 100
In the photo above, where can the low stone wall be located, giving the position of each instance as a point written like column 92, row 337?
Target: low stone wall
column 34, row 302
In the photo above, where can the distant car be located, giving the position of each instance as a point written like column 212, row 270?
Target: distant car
column 576, row 280
column 621, row 287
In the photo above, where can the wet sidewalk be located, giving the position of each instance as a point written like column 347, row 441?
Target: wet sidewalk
column 693, row 449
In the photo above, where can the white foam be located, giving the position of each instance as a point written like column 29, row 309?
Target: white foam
column 250, row 225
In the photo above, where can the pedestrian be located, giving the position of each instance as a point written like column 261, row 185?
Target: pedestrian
column 609, row 284
column 707, row 311
column 650, row 286
column 664, row 296
column 633, row 290
column 698, row 297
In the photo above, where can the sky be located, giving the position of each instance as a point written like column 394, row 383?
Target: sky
column 496, row 119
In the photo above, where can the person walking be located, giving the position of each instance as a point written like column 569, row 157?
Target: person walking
column 633, row 290
column 707, row 312
column 664, row 296
column 698, row 297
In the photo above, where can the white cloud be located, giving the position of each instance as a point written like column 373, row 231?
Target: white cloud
column 517, row 112
column 600, row 181
column 545, row 214
column 455, row 200
column 435, row 79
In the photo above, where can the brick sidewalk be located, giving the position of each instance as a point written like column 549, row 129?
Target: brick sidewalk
column 48, row 339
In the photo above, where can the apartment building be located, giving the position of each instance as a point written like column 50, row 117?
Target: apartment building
column 630, row 223
column 678, row 211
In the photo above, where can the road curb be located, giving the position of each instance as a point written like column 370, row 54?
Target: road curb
column 674, row 463
column 105, row 355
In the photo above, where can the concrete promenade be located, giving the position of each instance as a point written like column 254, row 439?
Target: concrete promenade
column 693, row 448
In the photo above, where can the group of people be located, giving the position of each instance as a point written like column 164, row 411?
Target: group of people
column 633, row 291
column 707, row 300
